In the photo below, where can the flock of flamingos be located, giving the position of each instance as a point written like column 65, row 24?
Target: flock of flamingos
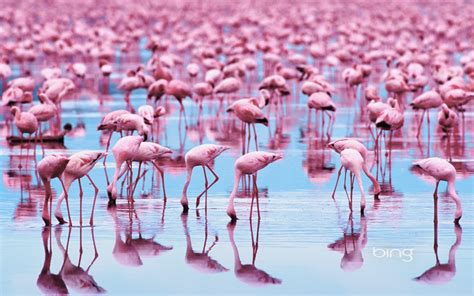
column 251, row 63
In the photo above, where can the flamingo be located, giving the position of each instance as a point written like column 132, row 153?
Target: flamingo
column 180, row 90
column 132, row 122
column 79, row 165
column 202, row 155
column 353, row 161
column 321, row 101
column 149, row 152
column 50, row 167
column 249, row 164
column 429, row 100
column 16, row 95
column 125, row 150
column 157, row 89
column 43, row 112
column 341, row 144
column 108, row 123
column 25, row 122
column 249, row 112
column 441, row 170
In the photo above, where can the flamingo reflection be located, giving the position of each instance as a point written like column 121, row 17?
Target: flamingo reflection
column 249, row 273
column 351, row 245
column 201, row 261
column 75, row 277
column 442, row 273
column 48, row 282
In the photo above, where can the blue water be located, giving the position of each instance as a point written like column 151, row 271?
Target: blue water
column 299, row 220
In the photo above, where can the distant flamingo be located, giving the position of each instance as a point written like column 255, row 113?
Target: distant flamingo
column 50, row 167
column 79, row 165
column 249, row 112
column 108, row 123
column 426, row 101
column 180, row 90
column 441, row 170
column 321, row 101
column 201, row 155
column 249, row 164
column 132, row 122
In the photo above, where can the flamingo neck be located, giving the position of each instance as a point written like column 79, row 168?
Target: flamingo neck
column 237, row 261
column 455, row 197
column 237, row 176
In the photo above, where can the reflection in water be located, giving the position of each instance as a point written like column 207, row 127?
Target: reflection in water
column 351, row 244
column 75, row 277
column 131, row 251
column 201, row 261
column 48, row 282
column 442, row 273
column 71, row 276
column 249, row 273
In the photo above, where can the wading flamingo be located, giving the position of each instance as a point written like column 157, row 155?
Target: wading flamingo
column 249, row 164
column 50, row 167
column 441, row 170
column 201, row 155
column 125, row 150
column 340, row 145
column 79, row 165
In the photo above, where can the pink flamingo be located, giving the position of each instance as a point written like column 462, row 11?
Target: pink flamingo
column 341, row 144
column 16, row 95
column 149, row 152
column 321, row 101
column 79, row 165
column 125, row 150
column 50, row 167
column 441, row 170
column 180, row 90
column 108, row 123
column 353, row 161
column 429, row 100
column 43, row 112
column 249, row 164
column 157, row 89
column 202, row 155
column 249, row 112
column 132, row 122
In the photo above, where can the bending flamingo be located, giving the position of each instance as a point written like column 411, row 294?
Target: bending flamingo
column 201, row 155
column 249, row 164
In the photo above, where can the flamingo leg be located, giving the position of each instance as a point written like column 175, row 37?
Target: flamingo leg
column 255, row 188
column 421, row 123
column 162, row 173
column 96, row 191
column 337, row 180
column 107, row 147
column 435, row 199
column 206, row 183
column 80, row 201
column 255, row 137
column 66, row 197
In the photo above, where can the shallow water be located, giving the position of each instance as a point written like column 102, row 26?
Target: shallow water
column 305, row 242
